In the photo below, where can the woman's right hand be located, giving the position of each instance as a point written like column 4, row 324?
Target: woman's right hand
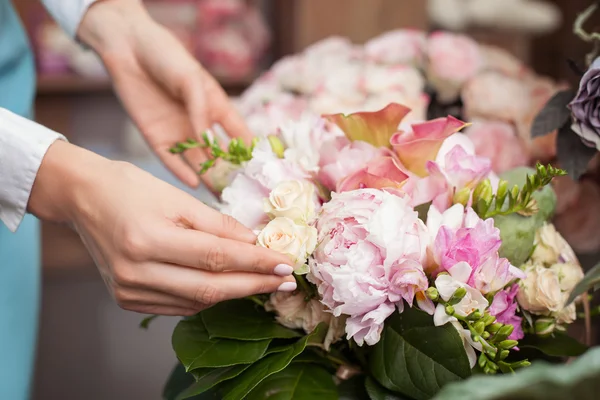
column 159, row 250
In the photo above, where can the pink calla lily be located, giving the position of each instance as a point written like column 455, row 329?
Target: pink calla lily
column 375, row 127
column 380, row 173
column 415, row 148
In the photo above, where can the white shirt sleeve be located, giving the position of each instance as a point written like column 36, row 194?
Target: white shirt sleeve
column 23, row 144
column 68, row 13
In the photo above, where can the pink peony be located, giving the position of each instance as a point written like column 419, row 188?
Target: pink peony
column 369, row 258
column 402, row 46
column 504, row 308
column 453, row 59
column 498, row 141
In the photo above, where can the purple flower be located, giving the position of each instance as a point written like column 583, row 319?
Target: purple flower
column 586, row 107
column 504, row 308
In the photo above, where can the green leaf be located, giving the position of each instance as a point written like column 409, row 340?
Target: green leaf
column 416, row 358
column 558, row 345
column 590, row 281
column 572, row 154
column 297, row 382
column 195, row 349
column 542, row 381
column 554, row 114
column 243, row 320
column 239, row 387
column 207, row 378
column 377, row 392
column 146, row 321
column 178, row 381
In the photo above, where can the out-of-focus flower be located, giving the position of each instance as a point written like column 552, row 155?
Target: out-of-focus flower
column 366, row 238
column 418, row 106
column 225, row 53
column 540, row 291
column 402, row 46
column 285, row 236
column 296, row 200
column 421, row 144
column 498, row 59
column 586, row 107
column 453, row 59
column 379, row 79
column 294, row 312
column 504, row 308
column 498, row 141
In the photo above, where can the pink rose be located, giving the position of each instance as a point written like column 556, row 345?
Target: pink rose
column 453, row 59
column 499, row 142
column 402, row 46
column 340, row 158
column 369, row 258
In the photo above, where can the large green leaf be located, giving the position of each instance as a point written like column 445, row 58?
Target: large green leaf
column 239, row 387
column 590, row 281
column 579, row 380
column 353, row 389
column 558, row 345
column 195, row 349
column 243, row 320
column 377, row 392
column 178, row 381
column 416, row 358
column 298, row 381
column 207, row 378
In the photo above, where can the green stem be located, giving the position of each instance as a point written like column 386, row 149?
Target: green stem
column 302, row 282
column 335, row 360
column 256, row 300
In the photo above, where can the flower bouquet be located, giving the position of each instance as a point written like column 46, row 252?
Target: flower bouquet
column 417, row 267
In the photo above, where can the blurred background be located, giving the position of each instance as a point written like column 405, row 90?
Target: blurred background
column 89, row 348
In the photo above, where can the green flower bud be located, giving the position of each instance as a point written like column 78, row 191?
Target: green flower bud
column 507, row 344
column 276, row 145
column 432, row 293
column 458, row 295
column 520, row 364
column 505, row 332
column 479, row 327
column 482, row 361
column 449, row 310
column 504, row 354
column 486, row 335
column 545, row 326
column 494, row 328
column 489, row 319
column 462, row 196
column 474, row 316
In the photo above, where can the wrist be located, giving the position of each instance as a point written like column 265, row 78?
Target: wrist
column 108, row 24
column 65, row 175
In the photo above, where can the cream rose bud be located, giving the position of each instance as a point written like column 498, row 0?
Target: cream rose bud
column 568, row 314
column 295, row 200
column 551, row 247
column 287, row 237
column 540, row 291
column 569, row 275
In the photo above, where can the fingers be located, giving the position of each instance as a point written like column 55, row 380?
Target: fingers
column 179, row 166
column 201, row 250
column 231, row 121
column 206, row 219
column 207, row 288
column 163, row 310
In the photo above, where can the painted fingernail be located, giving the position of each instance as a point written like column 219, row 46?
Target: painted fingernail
column 287, row 287
column 283, row 270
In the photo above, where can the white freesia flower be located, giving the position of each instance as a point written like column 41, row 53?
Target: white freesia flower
column 285, row 236
column 540, row 291
column 468, row 343
column 447, row 284
column 292, row 199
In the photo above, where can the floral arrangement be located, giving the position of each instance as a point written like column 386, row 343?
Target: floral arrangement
column 435, row 74
column 417, row 266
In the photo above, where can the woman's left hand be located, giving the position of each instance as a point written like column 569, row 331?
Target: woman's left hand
column 168, row 94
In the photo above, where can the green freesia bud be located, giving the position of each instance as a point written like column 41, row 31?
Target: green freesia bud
column 432, row 293
column 479, row 327
column 494, row 328
column 458, row 295
column 462, row 196
column 504, row 354
column 474, row 316
column 507, row 344
column 276, row 145
column 520, row 364
column 544, row 326
column 449, row 310
column 489, row 319
column 486, row 335
column 482, row 361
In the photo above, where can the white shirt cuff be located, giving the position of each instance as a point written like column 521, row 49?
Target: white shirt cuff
column 68, row 13
column 23, row 144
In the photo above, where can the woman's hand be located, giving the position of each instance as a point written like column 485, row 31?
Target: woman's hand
column 164, row 89
column 159, row 250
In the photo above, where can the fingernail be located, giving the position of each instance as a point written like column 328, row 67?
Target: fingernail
column 283, row 270
column 287, row 287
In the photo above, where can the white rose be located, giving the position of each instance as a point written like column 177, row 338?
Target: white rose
column 294, row 312
column 568, row 314
column 292, row 199
column 540, row 291
column 569, row 275
column 551, row 247
column 285, row 236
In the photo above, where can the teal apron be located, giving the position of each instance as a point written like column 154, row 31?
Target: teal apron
column 19, row 252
